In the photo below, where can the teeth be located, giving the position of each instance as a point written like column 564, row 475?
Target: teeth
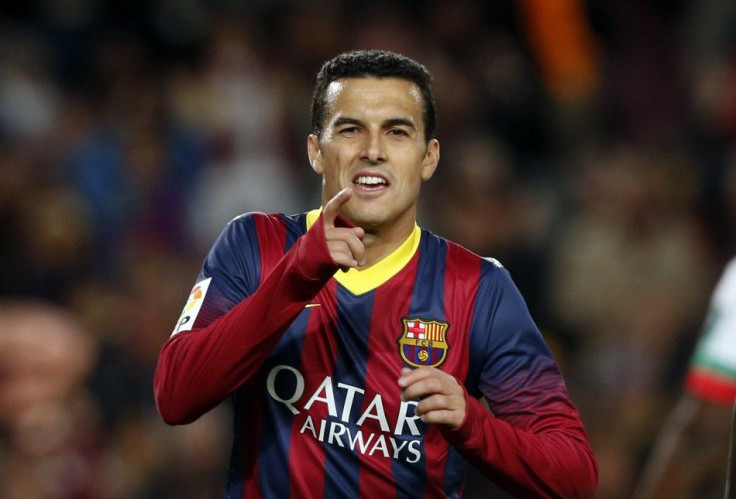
column 370, row 180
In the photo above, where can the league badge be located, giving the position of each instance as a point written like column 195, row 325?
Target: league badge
column 423, row 343
column 191, row 309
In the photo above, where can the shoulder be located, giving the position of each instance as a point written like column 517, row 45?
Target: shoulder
column 466, row 265
column 462, row 255
column 251, row 241
column 266, row 223
column 249, row 230
column 264, row 219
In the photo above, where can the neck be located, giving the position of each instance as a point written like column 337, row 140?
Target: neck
column 381, row 243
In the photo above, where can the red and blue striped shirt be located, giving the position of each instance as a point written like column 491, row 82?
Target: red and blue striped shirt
column 311, row 356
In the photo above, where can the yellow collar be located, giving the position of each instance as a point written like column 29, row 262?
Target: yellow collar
column 361, row 281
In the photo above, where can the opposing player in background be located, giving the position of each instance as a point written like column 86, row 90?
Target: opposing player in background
column 356, row 345
column 690, row 455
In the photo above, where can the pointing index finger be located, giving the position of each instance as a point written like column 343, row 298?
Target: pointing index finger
column 332, row 208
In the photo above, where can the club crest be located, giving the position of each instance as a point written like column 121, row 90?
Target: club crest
column 423, row 343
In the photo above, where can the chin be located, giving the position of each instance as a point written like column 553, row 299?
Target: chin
column 366, row 220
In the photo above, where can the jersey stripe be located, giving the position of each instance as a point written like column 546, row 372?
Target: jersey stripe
column 221, row 295
column 383, row 358
column 344, row 347
column 426, row 303
column 464, row 290
column 249, row 410
column 248, row 406
column 239, row 458
column 307, row 459
column 435, row 444
column 353, row 328
column 272, row 243
column 295, row 226
column 278, row 425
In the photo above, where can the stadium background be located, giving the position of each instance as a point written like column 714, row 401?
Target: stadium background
column 589, row 146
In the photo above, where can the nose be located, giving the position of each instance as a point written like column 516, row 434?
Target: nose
column 374, row 150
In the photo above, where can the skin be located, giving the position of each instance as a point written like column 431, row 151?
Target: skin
column 374, row 130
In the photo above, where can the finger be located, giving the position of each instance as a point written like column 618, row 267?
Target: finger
column 421, row 389
column 356, row 245
column 332, row 208
column 345, row 245
column 424, row 382
column 437, row 402
column 411, row 376
column 342, row 254
column 444, row 416
column 442, row 409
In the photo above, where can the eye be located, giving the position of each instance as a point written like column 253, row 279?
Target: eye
column 398, row 132
column 349, row 130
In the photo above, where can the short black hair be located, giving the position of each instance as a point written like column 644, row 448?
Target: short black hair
column 376, row 64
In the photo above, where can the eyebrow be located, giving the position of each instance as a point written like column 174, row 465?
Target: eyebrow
column 345, row 120
column 401, row 122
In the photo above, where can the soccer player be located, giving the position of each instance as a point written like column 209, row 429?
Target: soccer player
column 356, row 345
column 690, row 455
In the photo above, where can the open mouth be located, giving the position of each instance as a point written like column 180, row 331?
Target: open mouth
column 370, row 182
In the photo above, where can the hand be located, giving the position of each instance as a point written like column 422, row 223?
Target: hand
column 345, row 244
column 441, row 398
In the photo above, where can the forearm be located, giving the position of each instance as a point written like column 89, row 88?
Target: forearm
column 555, row 461
column 198, row 369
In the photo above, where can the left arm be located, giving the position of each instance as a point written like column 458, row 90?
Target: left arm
column 532, row 443
column 552, row 460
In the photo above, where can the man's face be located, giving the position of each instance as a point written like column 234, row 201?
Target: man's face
column 373, row 141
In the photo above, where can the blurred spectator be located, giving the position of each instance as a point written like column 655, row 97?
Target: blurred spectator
column 50, row 441
column 135, row 167
column 29, row 97
column 480, row 201
column 629, row 275
column 690, row 456
column 131, row 132
column 236, row 102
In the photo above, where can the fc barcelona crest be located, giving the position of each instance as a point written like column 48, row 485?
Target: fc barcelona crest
column 423, row 343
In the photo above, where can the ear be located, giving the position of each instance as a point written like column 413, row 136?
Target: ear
column 314, row 153
column 431, row 159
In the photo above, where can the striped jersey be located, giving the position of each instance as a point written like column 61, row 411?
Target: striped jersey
column 712, row 371
column 311, row 355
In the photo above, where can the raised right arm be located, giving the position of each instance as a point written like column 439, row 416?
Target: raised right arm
column 198, row 369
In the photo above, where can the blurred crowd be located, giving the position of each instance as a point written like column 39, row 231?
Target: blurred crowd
column 589, row 146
